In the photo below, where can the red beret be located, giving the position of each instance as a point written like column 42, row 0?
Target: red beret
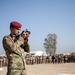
column 15, row 24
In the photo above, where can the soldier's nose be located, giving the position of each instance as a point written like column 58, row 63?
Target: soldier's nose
column 18, row 31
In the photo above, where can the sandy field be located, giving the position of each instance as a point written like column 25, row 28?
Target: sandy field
column 48, row 69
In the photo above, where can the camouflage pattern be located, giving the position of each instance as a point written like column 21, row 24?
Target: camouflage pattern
column 15, row 54
column 17, row 72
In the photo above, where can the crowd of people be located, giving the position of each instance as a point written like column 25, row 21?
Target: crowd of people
column 31, row 60
column 3, row 61
column 49, row 59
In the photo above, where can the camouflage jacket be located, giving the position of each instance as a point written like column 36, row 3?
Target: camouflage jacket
column 15, row 52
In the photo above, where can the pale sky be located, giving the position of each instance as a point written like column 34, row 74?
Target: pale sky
column 41, row 17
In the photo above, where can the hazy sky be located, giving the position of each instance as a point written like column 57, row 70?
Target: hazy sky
column 41, row 17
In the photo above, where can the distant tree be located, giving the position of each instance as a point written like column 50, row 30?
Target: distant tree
column 50, row 44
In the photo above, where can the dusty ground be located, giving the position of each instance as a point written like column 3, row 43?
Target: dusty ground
column 48, row 69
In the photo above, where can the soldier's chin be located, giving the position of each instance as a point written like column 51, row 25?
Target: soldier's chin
column 17, row 34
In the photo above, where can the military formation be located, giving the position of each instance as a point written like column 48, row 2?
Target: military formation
column 32, row 60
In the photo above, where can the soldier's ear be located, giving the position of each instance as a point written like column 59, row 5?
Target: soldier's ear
column 11, row 28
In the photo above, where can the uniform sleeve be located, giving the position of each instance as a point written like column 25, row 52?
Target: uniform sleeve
column 9, row 45
column 26, row 47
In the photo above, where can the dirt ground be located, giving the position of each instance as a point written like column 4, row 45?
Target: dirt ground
column 48, row 69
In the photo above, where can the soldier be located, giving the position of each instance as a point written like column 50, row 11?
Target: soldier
column 15, row 45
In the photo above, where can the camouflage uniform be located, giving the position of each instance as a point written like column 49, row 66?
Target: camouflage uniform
column 15, row 53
